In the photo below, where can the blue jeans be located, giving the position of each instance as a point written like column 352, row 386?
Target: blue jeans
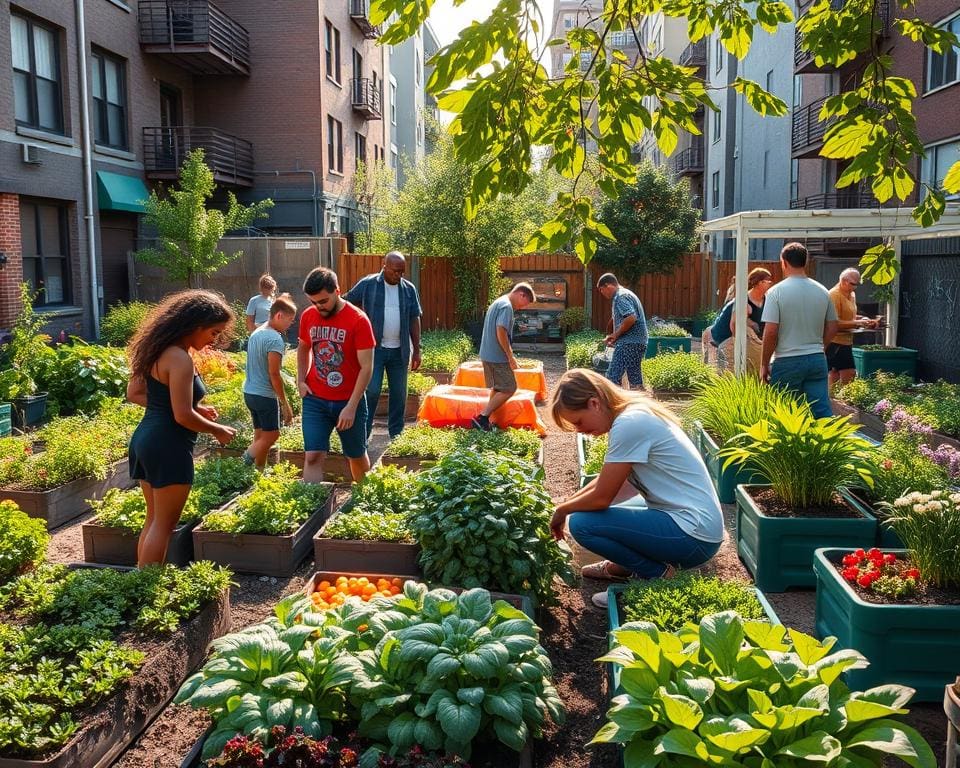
column 640, row 539
column 627, row 358
column 805, row 375
column 391, row 362
column 320, row 419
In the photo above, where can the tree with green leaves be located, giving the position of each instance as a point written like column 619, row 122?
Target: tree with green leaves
column 187, row 231
column 374, row 191
column 653, row 222
column 505, row 102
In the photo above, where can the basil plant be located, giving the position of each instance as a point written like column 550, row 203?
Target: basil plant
column 735, row 692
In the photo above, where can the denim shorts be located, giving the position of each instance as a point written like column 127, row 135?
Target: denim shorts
column 320, row 419
column 265, row 412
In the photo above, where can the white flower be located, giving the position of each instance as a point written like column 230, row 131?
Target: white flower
column 935, row 506
column 936, row 494
column 955, row 498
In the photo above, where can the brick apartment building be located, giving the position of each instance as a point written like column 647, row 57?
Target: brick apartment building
column 285, row 98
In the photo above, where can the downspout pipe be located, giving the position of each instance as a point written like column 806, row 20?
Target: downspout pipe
column 314, row 196
column 87, row 155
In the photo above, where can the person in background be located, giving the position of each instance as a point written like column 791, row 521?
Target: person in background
column 706, row 338
column 674, row 518
column 840, row 350
column 263, row 390
column 258, row 308
column 629, row 336
column 334, row 365
column 164, row 380
column 799, row 322
column 496, row 350
column 759, row 281
column 393, row 306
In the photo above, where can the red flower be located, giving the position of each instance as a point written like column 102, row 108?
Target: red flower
column 850, row 574
column 889, row 558
column 865, row 581
column 850, row 560
column 860, row 554
column 911, row 573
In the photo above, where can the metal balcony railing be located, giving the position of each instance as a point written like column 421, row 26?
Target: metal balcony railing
column 196, row 34
column 229, row 157
column 843, row 198
column 807, row 131
column 360, row 15
column 694, row 55
column 689, row 161
column 365, row 97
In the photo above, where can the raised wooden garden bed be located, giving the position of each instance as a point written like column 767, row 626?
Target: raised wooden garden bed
column 778, row 551
column 336, row 466
column 259, row 553
column 363, row 555
column 409, row 463
column 65, row 502
column 410, row 407
column 441, row 377
column 913, row 645
column 110, row 727
column 672, row 395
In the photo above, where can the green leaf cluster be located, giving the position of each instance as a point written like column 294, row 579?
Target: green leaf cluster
column 443, row 351
column 121, row 321
column 14, row 455
column 806, row 460
column 595, row 454
column 669, row 604
column 24, row 351
column 929, row 526
column 676, row 372
column 736, row 692
column 278, row 504
column 23, row 540
column 726, row 404
column 433, row 443
column 667, row 329
column 378, row 509
column 483, row 520
column 579, row 348
column 78, row 377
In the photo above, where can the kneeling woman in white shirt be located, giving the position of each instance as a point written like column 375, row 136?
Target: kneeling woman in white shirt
column 674, row 518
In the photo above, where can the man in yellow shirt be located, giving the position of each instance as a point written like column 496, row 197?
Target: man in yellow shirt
column 840, row 350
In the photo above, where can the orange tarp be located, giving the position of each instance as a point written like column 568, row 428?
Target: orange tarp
column 450, row 406
column 470, row 374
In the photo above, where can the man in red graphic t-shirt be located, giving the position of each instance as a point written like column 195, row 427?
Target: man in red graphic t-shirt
column 334, row 365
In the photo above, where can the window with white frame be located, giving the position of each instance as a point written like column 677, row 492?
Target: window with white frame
column 393, row 103
column 715, row 191
column 939, row 159
column 944, row 68
column 568, row 22
column 718, row 53
column 334, row 144
column 619, row 39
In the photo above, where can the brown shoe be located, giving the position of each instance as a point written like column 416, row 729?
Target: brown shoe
column 601, row 570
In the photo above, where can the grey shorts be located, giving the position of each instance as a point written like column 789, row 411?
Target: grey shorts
column 499, row 377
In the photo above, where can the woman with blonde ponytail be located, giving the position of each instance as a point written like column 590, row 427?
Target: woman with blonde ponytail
column 673, row 521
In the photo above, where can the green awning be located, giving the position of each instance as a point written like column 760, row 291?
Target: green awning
column 120, row 193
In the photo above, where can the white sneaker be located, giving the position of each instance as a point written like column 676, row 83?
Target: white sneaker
column 599, row 599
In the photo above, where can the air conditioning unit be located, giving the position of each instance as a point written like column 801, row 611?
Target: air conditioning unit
column 31, row 154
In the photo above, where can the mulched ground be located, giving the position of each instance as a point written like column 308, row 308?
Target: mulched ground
column 574, row 634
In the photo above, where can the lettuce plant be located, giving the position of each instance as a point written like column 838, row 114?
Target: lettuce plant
column 595, row 454
column 743, row 693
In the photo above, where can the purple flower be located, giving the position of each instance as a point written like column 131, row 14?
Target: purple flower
column 882, row 406
column 945, row 456
column 903, row 421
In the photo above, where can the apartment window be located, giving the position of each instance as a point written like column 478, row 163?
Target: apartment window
column 419, row 132
column 360, row 149
column 395, row 165
column 619, row 39
column 769, row 82
column 565, row 59
column 794, row 179
column 717, row 119
column 585, row 58
column 419, row 69
column 766, row 165
column 716, row 189
column 335, row 144
column 46, row 260
column 109, row 86
column 944, row 68
column 718, row 53
column 37, row 99
column 331, row 47
column 938, row 160
column 567, row 22
column 797, row 90
column 393, row 103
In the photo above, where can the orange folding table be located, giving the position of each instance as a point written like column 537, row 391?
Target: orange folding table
column 470, row 374
column 447, row 405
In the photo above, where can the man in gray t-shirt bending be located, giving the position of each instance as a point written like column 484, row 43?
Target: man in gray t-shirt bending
column 799, row 322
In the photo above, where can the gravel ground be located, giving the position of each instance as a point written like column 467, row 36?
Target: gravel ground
column 574, row 633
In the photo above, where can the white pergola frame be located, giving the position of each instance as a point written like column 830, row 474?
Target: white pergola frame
column 895, row 223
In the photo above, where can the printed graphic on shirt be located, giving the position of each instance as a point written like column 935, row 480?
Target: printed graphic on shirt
column 328, row 353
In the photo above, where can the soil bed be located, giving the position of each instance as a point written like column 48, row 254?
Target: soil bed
column 926, row 594
column 773, row 506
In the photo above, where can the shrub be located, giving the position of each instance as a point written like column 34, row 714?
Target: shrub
column 666, row 329
column 122, row 321
column 929, row 526
column 742, row 693
column 79, row 377
column 444, row 350
column 900, row 465
column 676, row 372
column 595, row 454
column 806, row 460
column 573, row 319
column 23, row 540
column 482, row 521
column 14, row 458
column 579, row 348
column 864, row 393
column 727, row 404
column 434, row 442
column 670, row 603
column 216, row 368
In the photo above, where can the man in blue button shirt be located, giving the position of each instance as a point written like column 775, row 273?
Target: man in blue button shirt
column 629, row 337
column 393, row 306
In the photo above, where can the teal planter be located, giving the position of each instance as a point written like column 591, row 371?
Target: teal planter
column 894, row 360
column 582, row 459
column 658, row 344
column 914, row 645
column 6, row 425
column 29, row 411
column 697, row 327
column 778, row 551
column 614, row 621
column 724, row 480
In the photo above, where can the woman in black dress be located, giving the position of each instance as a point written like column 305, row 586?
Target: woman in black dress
column 164, row 380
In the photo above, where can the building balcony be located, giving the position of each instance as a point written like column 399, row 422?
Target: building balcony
column 840, row 199
column 689, row 161
column 195, row 35
column 229, row 157
column 803, row 61
column 365, row 98
column 360, row 15
column 807, row 132
column 694, row 55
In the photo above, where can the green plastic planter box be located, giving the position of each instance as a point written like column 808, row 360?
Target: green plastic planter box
column 614, row 621
column 658, row 344
column 697, row 327
column 914, row 645
column 6, row 424
column 582, row 459
column 894, row 360
column 724, row 480
column 778, row 551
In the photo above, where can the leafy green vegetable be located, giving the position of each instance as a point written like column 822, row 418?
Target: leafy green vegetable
column 23, row 540
column 434, row 442
column 443, row 351
column 378, row 510
column 579, row 348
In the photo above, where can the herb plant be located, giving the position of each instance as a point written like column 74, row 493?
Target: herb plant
column 482, row 521
column 929, row 526
column 444, row 350
column 806, row 460
column 14, row 455
column 379, row 508
column 744, row 693
column 23, row 540
column 667, row 329
column 670, row 603
column 278, row 504
column 579, row 348
column 595, row 454
column 676, row 372
column 428, row 442
column 727, row 404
